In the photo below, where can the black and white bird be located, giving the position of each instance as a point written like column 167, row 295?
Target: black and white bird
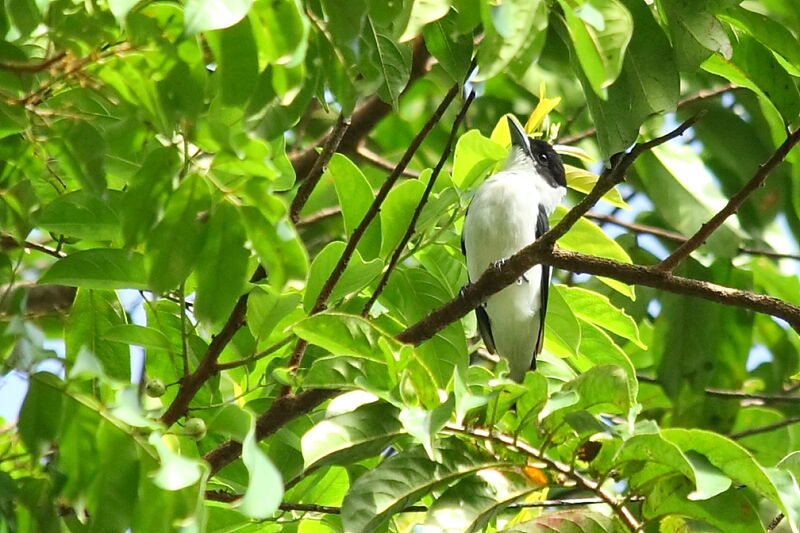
column 509, row 211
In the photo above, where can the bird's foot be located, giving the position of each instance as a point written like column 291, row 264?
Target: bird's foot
column 463, row 290
column 497, row 265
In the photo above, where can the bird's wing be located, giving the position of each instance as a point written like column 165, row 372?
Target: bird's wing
column 542, row 225
column 484, row 326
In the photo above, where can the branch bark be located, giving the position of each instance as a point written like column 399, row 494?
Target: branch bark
column 705, row 231
column 282, row 411
column 412, row 224
column 191, row 383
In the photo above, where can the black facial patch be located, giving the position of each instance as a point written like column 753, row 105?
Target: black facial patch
column 548, row 162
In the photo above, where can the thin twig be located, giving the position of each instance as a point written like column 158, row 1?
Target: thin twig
column 496, row 277
column 734, row 394
column 678, row 237
column 368, row 155
column 765, row 429
column 7, row 242
column 255, row 357
column 20, row 66
column 412, row 224
column 316, row 171
column 322, row 214
column 705, row 231
column 588, row 484
column 229, row 497
column 690, row 99
column 191, row 383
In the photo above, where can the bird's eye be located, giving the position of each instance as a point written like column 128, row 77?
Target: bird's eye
column 542, row 158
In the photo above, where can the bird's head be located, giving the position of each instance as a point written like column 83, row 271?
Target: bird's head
column 535, row 154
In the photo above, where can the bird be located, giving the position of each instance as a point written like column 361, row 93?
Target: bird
column 509, row 211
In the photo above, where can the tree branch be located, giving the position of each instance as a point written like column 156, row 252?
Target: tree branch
column 316, row 171
column 368, row 155
column 593, row 486
column 412, row 224
column 282, row 411
column 191, row 383
column 734, row 394
column 677, row 237
column 765, row 429
column 705, row 231
column 19, row 66
column 375, row 207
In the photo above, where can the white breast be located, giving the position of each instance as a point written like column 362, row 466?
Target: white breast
column 501, row 221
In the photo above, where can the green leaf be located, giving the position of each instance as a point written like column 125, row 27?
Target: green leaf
column 600, row 349
column 600, row 31
column 587, row 237
column 424, row 424
column 663, row 172
column 385, row 60
column 695, row 32
column 121, row 8
column 754, row 66
column 348, row 372
column 355, row 197
column 176, row 242
column 597, row 309
column 237, row 62
column 343, row 334
column 278, row 246
column 114, row 491
column 85, row 155
column 283, row 39
column 139, row 335
column 397, row 210
column 648, row 84
column 451, row 48
column 562, row 333
column 175, row 471
column 41, row 415
column 510, row 27
column 568, row 521
column 584, row 181
column 401, row 480
column 142, row 200
column 92, row 314
column 475, row 156
column 771, row 33
column 350, row 437
column 670, row 497
column 264, row 485
column 266, row 308
column 470, row 504
column 82, row 215
column 601, row 385
column 222, row 265
column 357, row 275
column 423, row 12
column 98, row 269
column 345, row 19
column 204, row 15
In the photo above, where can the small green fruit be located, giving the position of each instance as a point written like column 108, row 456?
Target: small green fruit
column 195, row 428
column 155, row 388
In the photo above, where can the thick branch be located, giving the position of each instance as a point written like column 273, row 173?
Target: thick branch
column 412, row 224
column 705, row 231
column 208, row 366
column 282, row 411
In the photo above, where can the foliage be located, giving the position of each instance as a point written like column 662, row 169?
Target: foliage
column 152, row 153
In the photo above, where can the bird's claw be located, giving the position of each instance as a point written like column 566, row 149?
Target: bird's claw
column 499, row 263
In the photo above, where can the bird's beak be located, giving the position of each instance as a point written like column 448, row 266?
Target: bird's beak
column 518, row 136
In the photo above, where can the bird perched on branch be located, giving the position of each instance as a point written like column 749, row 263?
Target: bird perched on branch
column 509, row 211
